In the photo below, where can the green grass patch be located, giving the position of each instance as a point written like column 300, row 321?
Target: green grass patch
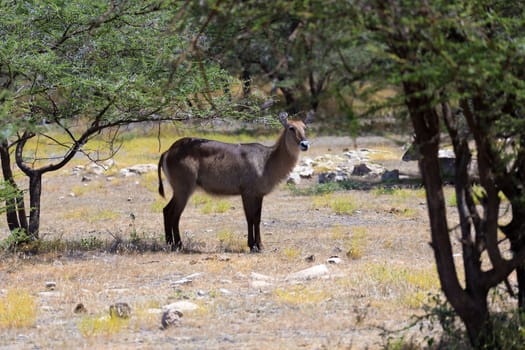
column 324, row 188
column 230, row 242
column 341, row 204
column 17, row 309
column 218, row 206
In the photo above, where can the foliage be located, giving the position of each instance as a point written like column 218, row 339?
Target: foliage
column 15, row 239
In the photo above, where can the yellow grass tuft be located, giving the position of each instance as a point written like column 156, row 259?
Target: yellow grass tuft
column 291, row 253
column 300, row 295
column 17, row 309
column 93, row 326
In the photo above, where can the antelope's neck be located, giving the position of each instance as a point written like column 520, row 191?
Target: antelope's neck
column 281, row 161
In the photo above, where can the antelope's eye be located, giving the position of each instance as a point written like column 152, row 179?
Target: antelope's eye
column 291, row 128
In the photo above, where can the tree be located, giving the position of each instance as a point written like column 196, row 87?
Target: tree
column 460, row 67
column 82, row 67
column 281, row 42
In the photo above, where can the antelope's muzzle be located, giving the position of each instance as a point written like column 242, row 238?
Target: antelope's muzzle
column 304, row 145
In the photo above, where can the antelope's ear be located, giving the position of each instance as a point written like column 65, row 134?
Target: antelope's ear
column 283, row 118
column 309, row 117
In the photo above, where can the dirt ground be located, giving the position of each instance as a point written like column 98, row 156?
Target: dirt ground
column 244, row 301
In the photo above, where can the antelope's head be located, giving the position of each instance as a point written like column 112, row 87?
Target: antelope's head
column 294, row 133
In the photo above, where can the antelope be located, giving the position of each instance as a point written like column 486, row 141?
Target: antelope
column 250, row 170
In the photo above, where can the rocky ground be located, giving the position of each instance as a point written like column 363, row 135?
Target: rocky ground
column 338, row 271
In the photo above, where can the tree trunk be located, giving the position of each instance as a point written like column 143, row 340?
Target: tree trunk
column 246, row 80
column 469, row 304
column 35, row 191
column 15, row 208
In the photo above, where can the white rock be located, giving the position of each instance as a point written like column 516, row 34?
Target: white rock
column 260, row 284
column 142, row 168
column 334, row 260
column 294, row 179
column 260, row 277
column 225, row 291
column 187, row 279
column 181, row 305
column 310, row 273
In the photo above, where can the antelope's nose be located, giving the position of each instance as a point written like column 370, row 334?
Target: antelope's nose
column 304, row 145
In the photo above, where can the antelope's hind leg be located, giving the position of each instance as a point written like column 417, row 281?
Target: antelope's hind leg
column 173, row 212
column 252, row 209
column 171, row 226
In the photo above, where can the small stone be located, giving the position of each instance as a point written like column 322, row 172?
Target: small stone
column 361, row 170
column 225, row 291
column 390, row 175
column 334, row 260
column 310, row 258
column 294, row 179
column 171, row 318
column 80, row 309
column 120, row 310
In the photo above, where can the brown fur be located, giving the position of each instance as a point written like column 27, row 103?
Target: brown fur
column 251, row 170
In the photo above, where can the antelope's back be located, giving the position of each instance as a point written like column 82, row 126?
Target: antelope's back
column 221, row 168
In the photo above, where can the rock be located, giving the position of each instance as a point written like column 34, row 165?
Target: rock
column 50, row 294
column 260, row 277
column 293, row 179
column 334, row 260
column 187, row 279
column 259, row 284
column 304, row 171
column 120, row 310
column 142, row 168
column 390, row 175
column 310, row 273
column 182, row 305
column 361, row 170
column 171, row 318
column 310, row 258
column 80, row 309
column 331, row 176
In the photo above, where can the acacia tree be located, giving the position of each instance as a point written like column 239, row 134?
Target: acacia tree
column 78, row 68
column 459, row 66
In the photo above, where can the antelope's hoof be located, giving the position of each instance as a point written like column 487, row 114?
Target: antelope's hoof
column 177, row 247
column 255, row 249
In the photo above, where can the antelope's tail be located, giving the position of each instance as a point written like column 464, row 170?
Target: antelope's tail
column 159, row 172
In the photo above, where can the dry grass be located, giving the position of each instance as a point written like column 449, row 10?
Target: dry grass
column 18, row 309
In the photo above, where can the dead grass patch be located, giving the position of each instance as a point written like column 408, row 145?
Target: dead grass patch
column 17, row 309
column 300, row 295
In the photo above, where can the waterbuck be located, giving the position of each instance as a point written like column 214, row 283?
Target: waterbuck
column 251, row 170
